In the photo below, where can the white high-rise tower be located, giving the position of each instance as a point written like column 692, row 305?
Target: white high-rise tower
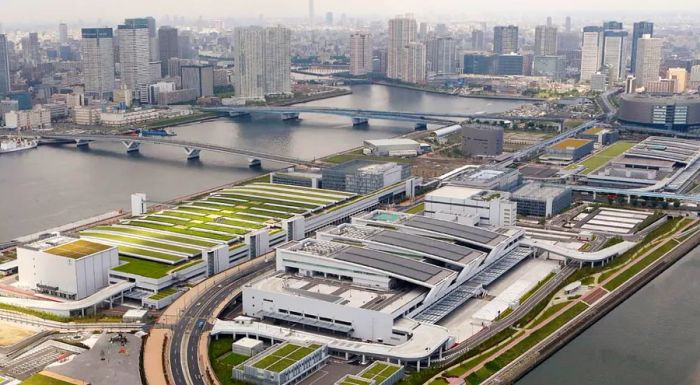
column 402, row 31
column 360, row 54
column 97, row 52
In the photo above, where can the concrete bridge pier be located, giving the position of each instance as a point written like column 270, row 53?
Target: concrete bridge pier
column 254, row 162
column 290, row 116
column 192, row 153
column 82, row 142
column 131, row 145
column 360, row 121
column 421, row 126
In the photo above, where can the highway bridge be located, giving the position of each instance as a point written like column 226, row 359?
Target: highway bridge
column 192, row 149
column 361, row 116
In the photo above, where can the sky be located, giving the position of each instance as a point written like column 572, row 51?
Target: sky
column 39, row 11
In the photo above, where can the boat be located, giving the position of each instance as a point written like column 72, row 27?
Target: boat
column 17, row 144
column 154, row 132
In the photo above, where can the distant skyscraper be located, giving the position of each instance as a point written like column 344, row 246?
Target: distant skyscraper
column 549, row 21
column 262, row 57
column 478, row 40
column 62, row 33
column 441, row 30
column 360, row 53
column 30, row 48
column 567, row 24
column 414, row 70
column 505, row 39
column 134, row 53
column 329, row 18
column 4, row 67
column 694, row 71
column 184, row 42
column 591, row 51
column 152, row 34
column 423, row 31
column 402, row 31
column 545, row 40
column 680, row 77
column 311, row 11
column 168, row 47
column 442, row 55
column 641, row 28
column 97, row 53
column 198, row 77
column 614, row 50
column 648, row 60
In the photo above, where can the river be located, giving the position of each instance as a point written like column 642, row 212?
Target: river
column 651, row 338
column 52, row 186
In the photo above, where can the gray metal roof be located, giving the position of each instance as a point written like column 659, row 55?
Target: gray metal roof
column 394, row 264
column 470, row 233
column 441, row 249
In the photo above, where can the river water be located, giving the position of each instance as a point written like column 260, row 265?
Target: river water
column 52, row 186
column 652, row 338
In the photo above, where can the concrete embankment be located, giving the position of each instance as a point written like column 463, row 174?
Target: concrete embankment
column 560, row 338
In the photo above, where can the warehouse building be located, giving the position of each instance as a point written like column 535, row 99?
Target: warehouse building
column 486, row 178
column 65, row 267
column 535, row 199
column 481, row 140
column 567, row 151
column 392, row 147
column 473, row 206
column 361, row 176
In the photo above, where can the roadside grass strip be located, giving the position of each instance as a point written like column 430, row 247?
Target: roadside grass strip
column 525, row 344
column 283, row 357
column 155, row 235
column 119, row 239
column 640, row 265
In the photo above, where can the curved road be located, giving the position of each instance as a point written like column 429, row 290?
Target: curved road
column 184, row 360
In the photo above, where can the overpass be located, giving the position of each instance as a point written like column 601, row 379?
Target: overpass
column 192, row 149
column 629, row 193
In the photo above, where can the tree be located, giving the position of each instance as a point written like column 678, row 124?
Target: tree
column 676, row 203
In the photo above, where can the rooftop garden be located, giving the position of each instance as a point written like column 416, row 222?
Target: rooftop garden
column 379, row 371
column 163, row 294
column 150, row 269
column 284, row 356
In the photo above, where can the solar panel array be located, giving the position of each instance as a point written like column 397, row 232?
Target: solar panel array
column 390, row 263
column 454, row 229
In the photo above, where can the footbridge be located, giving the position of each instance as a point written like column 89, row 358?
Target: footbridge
column 192, row 149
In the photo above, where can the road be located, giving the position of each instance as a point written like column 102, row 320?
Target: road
column 184, row 359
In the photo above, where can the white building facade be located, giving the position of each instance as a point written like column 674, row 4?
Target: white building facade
column 360, row 54
column 97, row 54
column 473, row 206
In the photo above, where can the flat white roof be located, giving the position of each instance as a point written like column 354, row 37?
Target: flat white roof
column 248, row 342
column 391, row 142
column 455, row 192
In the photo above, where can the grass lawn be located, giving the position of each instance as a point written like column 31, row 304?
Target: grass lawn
column 439, row 381
column 150, row 253
column 153, row 234
column 40, row 379
column 416, row 209
column 163, row 293
column 143, row 268
column 548, row 312
column 142, row 242
column 186, row 231
column 284, row 357
column 223, row 360
column 602, row 157
column 640, row 265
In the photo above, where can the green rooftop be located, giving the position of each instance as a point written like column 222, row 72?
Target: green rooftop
column 284, row 356
column 77, row 249
column 379, row 371
column 150, row 269
column 353, row 380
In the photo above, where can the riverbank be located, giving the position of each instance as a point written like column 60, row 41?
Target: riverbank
column 434, row 91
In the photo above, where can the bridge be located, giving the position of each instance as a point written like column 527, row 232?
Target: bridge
column 192, row 149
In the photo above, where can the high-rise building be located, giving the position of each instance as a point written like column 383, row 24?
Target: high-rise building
column 63, row 33
column 414, row 65
column 549, row 21
column 134, row 53
column 648, row 60
column 549, row 66
column 478, row 41
column 510, row 64
column 184, row 42
column 152, row 34
column 97, row 53
column 198, row 77
column 329, row 18
column 694, row 70
column 545, row 40
column 168, row 47
column 640, row 29
column 423, row 31
column 262, row 57
column 441, row 30
column 4, row 67
column 311, row 11
column 591, row 51
column 360, row 53
column 567, row 24
column 442, row 55
column 680, row 77
column 614, row 50
column 30, row 48
column 505, row 39
column 402, row 31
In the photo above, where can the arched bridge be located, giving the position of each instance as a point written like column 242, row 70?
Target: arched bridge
column 192, row 149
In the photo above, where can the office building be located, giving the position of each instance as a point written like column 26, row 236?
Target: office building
column 614, row 53
column 97, row 53
column 360, row 54
column 545, row 40
column 23, row 98
column 184, row 41
column 505, row 39
column 471, row 206
column 31, row 48
column 414, row 70
column 694, row 72
column 680, row 77
column 591, row 51
column 380, row 61
column 567, row 24
column 63, row 33
column 402, row 31
column 661, row 87
column 535, row 199
column 604, row 136
column 33, row 119
column 479, row 63
column 486, row 178
column 648, row 62
column 481, row 140
column 478, row 41
column 363, row 176
column 150, row 23
column 553, row 67
column 442, row 55
column 168, row 47
column 277, row 61
column 134, row 53
column 200, row 78
column 5, row 80
column 510, row 64
column 640, row 29
column 64, row 267
column 599, row 81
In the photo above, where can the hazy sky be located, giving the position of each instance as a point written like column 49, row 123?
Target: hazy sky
column 39, row 11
